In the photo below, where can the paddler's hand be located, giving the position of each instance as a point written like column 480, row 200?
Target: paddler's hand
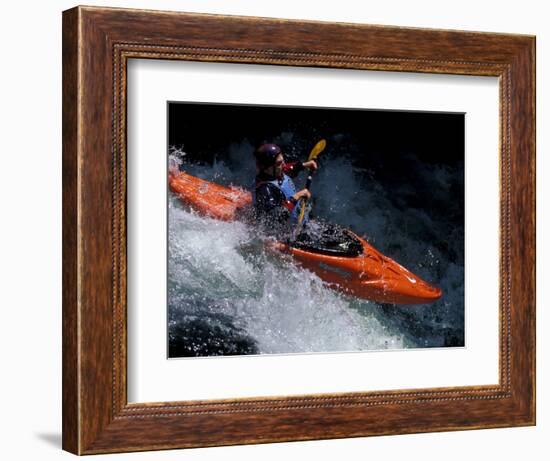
column 304, row 193
column 311, row 165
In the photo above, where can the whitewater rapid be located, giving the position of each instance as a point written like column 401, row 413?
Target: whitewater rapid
column 220, row 274
column 227, row 295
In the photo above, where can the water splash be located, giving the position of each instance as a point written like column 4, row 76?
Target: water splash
column 219, row 272
column 228, row 296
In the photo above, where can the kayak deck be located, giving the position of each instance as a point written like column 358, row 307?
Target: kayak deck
column 368, row 274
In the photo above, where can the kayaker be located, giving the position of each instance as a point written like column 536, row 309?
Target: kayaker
column 275, row 196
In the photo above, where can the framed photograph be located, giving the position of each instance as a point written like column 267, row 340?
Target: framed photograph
column 279, row 230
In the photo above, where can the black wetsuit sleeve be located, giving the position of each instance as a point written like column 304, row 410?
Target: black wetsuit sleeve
column 293, row 169
column 270, row 204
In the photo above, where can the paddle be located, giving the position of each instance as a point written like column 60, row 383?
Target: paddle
column 317, row 149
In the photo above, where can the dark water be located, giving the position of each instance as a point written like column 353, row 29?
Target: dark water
column 395, row 178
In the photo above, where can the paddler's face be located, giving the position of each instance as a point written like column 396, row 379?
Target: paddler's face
column 278, row 166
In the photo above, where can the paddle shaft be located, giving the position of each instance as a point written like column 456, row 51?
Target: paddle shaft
column 317, row 149
column 308, row 182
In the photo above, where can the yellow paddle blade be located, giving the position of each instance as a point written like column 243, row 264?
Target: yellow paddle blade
column 317, row 149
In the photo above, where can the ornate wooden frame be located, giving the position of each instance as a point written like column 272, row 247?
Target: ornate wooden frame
column 97, row 43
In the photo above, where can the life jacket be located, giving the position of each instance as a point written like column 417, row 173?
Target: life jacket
column 287, row 187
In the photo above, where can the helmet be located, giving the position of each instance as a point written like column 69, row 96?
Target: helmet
column 266, row 154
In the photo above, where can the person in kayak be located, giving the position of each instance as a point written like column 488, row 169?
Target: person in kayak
column 276, row 200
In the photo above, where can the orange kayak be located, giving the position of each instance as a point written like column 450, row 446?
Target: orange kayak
column 367, row 275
